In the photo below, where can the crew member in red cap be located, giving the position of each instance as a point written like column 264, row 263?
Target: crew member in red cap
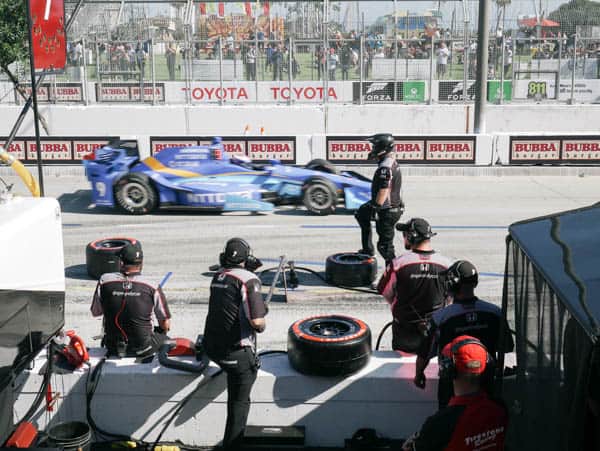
column 472, row 420
column 466, row 315
column 412, row 285
column 127, row 300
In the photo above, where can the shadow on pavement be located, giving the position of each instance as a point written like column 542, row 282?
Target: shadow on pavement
column 78, row 272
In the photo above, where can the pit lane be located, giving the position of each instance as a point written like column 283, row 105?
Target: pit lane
column 469, row 213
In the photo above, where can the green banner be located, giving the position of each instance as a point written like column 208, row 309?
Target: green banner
column 494, row 91
column 413, row 91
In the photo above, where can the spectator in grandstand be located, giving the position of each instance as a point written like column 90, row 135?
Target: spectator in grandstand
column 379, row 53
column 508, row 59
column 413, row 285
column 140, row 58
column 332, row 62
column 472, row 420
column 260, row 37
column 277, row 62
column 132, row 58
column 269, row 55
column 251, row 62
column 442, row 60
column 345, row 60
column 320, row 61
column 466, row 314
column 171, row 55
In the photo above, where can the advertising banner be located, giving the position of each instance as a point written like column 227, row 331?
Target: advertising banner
column 554, row 150
column 494, row 92
column 128, row 92
column 48, row 34
column 585, row 91
column 409, row 150
column 55, row 93
column 452, row 91
column 383, row 91
column 258, row 148
column 56, row 150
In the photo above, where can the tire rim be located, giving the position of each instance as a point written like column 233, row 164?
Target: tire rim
column 319, row 197
column 329, row 328
column 135, row 194
column 112, row 244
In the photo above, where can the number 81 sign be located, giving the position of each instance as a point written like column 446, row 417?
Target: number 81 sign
column 48, row 34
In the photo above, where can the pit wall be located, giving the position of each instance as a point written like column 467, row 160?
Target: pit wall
column 545, row 129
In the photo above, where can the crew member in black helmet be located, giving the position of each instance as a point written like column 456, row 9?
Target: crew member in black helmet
column 236, row 311
column 386, row 206
column 127, row 300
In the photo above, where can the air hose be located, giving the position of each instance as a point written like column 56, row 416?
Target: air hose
column 21, row 171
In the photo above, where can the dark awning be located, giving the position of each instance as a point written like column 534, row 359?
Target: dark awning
column 565, row 248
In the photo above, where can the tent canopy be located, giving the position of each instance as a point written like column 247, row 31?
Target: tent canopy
column 532, row 22
column 565, row 249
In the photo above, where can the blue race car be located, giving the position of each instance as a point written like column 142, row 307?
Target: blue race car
column 206, row 178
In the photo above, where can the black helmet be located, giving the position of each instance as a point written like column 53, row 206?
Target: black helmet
column 461, row 273
column 382, row 143
column 131, row 254
column 236, row 252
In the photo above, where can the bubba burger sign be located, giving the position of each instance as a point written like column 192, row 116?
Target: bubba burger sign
column 409, row 149
column 56, row 150
column 554, row 149
column 258, row 148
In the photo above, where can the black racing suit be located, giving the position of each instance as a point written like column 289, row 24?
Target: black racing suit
column 387, row 175
column 127, row 303
column 472, row 317
column 230, row 341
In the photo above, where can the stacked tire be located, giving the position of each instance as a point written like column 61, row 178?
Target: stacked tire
column 350, row 269
column 329, row 345
column 102, row 256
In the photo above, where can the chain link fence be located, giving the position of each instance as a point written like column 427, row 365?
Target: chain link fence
column 300, row 53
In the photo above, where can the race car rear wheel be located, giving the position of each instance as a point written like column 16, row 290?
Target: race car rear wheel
column 319, row 196
column 329, row 345
column 350, row 269
column 135, row 194
column 318, row 164
column 102, row 256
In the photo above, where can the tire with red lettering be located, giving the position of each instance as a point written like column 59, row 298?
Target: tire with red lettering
column 135, row 194
column 329, row 345
column 350, row 269
column 319, row 196
column 318, row 164
column 102, row 256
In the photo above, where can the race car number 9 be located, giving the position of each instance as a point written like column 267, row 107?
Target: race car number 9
column 101, row 188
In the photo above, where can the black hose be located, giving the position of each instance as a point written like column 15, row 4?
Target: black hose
column 315, row 273
column 381, row 334
column 41, row 394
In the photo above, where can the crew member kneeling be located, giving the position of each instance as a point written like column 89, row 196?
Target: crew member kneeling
column 236, row 311
column 472, row 420
column 127, row 300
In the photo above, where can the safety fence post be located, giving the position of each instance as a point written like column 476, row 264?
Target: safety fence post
column 221, row 69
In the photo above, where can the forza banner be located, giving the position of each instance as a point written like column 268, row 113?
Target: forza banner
column 554, row 150
column 389, row 91
column 409, row 149
column 56, row 150
column 258, row 148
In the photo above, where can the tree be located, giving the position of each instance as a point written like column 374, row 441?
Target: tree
column 576, row 13
column 13, row 32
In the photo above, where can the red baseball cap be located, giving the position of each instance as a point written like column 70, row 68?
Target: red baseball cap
column 468, row 353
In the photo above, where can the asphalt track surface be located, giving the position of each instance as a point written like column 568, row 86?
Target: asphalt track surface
column 470, row 214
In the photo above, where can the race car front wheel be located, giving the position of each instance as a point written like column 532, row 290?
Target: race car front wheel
column 134, row 194
column 329, row 345
column 319, row 196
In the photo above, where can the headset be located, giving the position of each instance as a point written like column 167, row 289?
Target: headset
column 413, row 236
column 251, row 263
column 447, row 364
column 454, row 279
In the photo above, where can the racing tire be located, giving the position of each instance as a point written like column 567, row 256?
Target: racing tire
column 329, row 345
column 319, row 196
column 102, row 256
column 319, row 164
column 135, row 194
column 350, row 269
